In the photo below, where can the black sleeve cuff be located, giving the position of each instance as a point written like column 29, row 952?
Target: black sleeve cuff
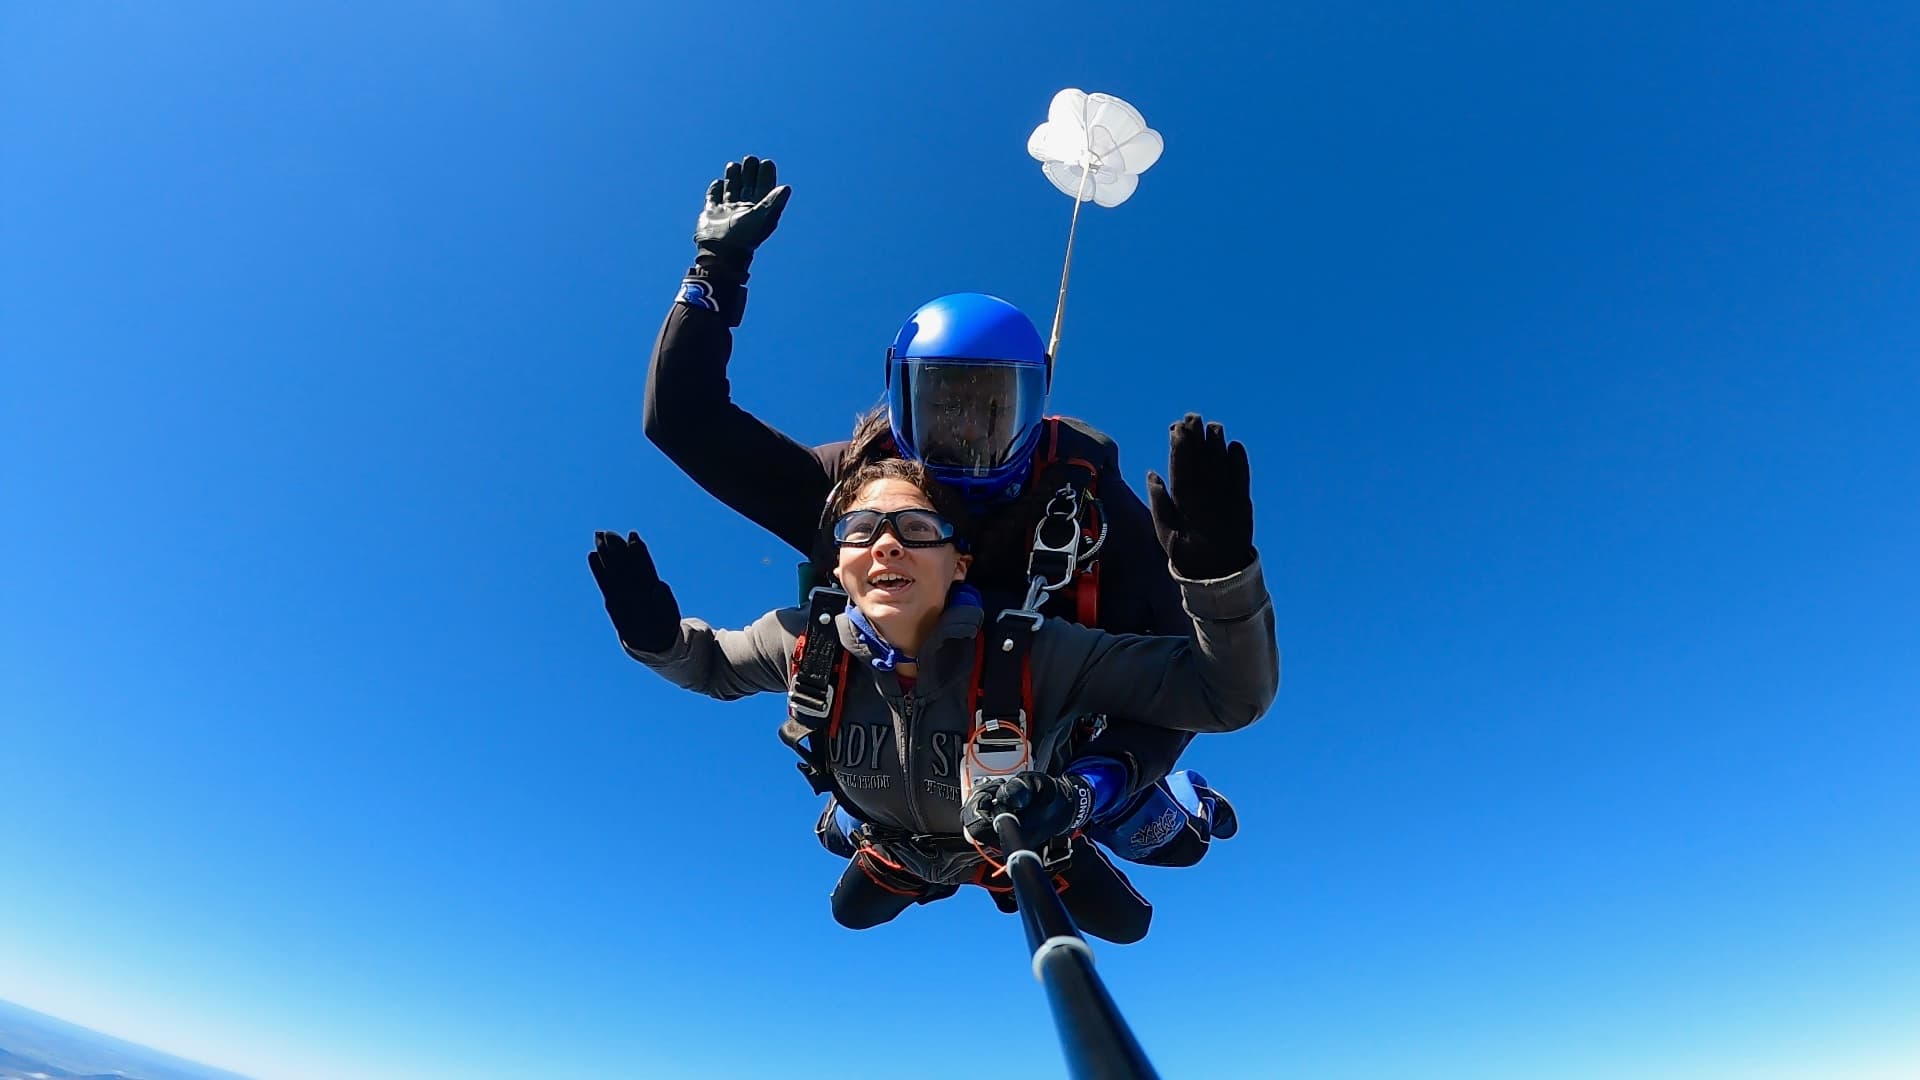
column 715, row 290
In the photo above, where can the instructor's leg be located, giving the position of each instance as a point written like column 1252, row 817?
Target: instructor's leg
column 1101, row 899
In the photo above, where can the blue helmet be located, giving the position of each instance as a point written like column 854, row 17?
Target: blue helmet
column 967, row 381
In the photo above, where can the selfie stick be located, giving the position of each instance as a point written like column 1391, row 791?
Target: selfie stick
column 1094, row 1037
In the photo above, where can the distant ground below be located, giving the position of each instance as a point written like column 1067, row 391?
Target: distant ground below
column 35, row 1046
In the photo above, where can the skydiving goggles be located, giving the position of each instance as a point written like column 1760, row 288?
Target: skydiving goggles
column 913, row 527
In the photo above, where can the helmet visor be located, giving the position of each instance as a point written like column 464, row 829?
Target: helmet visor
column 968, row 416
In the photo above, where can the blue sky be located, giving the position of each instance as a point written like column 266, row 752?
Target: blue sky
column 1575, row 353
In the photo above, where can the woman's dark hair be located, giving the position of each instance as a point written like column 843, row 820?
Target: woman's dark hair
column 872, row 440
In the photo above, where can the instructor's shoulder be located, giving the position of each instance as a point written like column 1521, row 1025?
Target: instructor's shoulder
column 1095, row 444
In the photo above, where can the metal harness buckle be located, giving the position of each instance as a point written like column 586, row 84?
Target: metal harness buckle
column 1062, row 555
column 807, row 703
column 1030, row 612
column 1065, row 557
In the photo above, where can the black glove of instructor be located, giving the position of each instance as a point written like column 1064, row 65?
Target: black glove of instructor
column 641, row 606
column 1046, row 807
column 1205, row 520
column 743, row 208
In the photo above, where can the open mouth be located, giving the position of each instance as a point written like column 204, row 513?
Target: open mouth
column 888, row 581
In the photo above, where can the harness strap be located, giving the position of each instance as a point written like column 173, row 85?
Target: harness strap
column 1003, row 669
column 1086, row 596
column 925, row 842
column 817, row 681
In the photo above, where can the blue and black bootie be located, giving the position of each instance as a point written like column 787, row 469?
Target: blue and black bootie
column 1171, row 823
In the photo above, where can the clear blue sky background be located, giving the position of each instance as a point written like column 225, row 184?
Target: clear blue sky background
column 1578, row 356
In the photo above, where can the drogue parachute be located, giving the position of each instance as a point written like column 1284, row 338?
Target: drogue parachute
column 1092, row 147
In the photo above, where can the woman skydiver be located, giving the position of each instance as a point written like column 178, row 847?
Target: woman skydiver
column 967, row 383
column 914, row 703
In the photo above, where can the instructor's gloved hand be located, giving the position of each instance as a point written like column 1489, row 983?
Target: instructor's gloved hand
column 1206, row 520
column 743, row 208
column 641, row 606
column 1046, row 807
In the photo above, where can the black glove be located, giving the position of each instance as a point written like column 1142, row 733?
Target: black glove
column 743, row 208
column 1046, row 807
column 641, row 606
column 1206, row 521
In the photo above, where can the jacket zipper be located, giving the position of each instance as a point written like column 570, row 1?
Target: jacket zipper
column 903, row 741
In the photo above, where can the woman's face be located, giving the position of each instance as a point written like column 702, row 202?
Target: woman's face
column 901, row 589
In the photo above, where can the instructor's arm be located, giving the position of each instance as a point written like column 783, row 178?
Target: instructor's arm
column 770, row 479
column 1225, row 674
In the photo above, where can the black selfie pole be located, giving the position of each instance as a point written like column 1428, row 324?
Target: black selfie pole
column 1093, row 1035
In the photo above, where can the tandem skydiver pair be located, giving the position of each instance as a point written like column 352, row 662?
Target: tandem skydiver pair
column 958, row 516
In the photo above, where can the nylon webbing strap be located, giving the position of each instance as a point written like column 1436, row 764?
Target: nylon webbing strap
column 814, row 685
column 811, row 691
column 1003, row 665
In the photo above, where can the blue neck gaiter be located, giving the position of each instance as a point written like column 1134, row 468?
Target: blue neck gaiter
column 885, row 656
